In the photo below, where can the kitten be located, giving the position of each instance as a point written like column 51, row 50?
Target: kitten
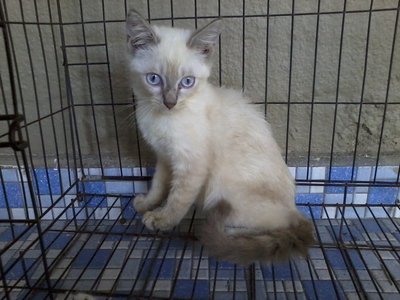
column 213, row 148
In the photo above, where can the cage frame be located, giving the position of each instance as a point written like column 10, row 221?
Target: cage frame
column 18, row 132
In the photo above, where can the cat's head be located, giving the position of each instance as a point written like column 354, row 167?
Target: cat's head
column 169, row 64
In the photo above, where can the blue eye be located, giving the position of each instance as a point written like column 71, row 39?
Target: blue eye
column 187, row 82
column 153, row 79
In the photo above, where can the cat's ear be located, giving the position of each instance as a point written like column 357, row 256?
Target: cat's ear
column 140, row 33
column 205, row 39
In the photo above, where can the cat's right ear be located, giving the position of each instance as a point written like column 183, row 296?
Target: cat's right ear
column 205, row 39
column 140, row 33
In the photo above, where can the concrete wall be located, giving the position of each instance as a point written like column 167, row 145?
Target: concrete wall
column 265, row 78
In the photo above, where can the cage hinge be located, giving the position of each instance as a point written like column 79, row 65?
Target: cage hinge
column 14, row 142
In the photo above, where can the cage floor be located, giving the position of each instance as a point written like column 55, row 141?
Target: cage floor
column 353, row 258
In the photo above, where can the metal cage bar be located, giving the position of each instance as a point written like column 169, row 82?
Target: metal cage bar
column 55, row 247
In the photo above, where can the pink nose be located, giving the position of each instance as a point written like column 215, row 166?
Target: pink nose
column 169, row 105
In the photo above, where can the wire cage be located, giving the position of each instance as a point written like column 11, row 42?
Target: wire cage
column 326, row 74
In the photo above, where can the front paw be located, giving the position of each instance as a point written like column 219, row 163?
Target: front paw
column 157, row 219
column 141, row 204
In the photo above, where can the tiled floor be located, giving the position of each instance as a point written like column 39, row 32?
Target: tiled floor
column 354, row 258
column 50, row 185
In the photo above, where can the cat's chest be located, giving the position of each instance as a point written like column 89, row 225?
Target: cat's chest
column 167, row 133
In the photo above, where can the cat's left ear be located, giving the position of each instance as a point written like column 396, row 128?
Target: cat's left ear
column 205, row 39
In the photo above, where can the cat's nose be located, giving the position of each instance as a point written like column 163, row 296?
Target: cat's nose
column 169, row 105
column 170, row 99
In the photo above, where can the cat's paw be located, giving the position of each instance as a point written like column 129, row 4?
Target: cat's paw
column 157, row 219
column 140, row 204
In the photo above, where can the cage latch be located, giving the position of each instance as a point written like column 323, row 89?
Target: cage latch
column 14, row 142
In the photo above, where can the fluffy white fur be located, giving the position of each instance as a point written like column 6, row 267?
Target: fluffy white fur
column 212, row 147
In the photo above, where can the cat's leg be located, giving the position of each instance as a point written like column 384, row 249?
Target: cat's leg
column 185, row 188
column 158, row 190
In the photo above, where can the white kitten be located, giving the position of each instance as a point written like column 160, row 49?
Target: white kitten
column 212, row 148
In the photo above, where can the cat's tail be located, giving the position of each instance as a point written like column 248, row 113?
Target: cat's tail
column 245, row 247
